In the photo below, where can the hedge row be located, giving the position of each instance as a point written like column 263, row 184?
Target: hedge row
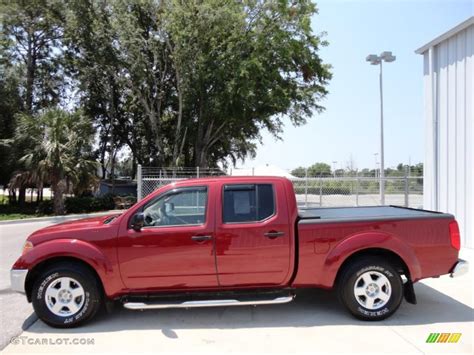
column 80, row 204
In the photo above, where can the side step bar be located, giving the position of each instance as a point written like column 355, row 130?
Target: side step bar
column 207, row 303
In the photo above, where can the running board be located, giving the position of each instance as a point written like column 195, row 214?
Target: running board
column 206, row 303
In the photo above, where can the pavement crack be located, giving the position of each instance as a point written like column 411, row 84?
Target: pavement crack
column 407, row 340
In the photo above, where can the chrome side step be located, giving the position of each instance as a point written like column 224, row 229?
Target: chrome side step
column 207, row 303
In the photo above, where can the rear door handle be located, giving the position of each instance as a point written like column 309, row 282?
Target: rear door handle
column 201, row 238
column 274, row 234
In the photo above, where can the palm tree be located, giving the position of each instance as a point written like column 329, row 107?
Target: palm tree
column 60, row 145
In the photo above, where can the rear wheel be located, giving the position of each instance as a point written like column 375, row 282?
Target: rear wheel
column 66, row 295
column 370, row 289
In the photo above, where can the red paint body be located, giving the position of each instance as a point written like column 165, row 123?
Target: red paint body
column 238, row 256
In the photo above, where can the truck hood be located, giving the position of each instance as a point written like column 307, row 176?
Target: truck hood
column 64, row 229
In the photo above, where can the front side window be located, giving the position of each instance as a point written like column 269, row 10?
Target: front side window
column 248, row 203
column 179, row 207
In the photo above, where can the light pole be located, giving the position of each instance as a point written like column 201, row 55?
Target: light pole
column 334, row 167
column 374, row 59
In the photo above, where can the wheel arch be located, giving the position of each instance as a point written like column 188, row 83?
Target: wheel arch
column 388, row 255
column 371, row 243
column 47, row 263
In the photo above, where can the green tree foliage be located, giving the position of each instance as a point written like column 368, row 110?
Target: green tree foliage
column 10, row 105
column 319, row 169
column 92, row 60
column 199, row 80
column 59, row 150
column 179, row 83
column 244, row 66
column 30, row 39
column 299, row 171
column 324, row 170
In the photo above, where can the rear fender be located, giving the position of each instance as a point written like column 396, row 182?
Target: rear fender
column 368, row 240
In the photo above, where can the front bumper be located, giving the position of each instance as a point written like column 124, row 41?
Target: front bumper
column 460, row 268
column 17, row 279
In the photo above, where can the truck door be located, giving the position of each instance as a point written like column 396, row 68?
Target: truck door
column 175, row 248
column 253, row 235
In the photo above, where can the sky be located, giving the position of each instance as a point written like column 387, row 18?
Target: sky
column 350, row 126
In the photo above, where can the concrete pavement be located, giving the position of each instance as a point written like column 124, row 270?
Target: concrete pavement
column 15, row 313
column 314, row 322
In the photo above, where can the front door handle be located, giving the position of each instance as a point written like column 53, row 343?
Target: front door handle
column 201, row 238
column 274, row 234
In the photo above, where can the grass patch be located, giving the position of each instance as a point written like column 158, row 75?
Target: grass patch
column 15, row 216
column 29, row 210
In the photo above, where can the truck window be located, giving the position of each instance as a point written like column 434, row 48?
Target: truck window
column 185, row 206
column 248, row 203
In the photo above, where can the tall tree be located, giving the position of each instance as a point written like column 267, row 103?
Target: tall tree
column 210, row 75
column 10, row 105
column 31, row 35
column 92, row 60
column 145, row 60
column 244, row 66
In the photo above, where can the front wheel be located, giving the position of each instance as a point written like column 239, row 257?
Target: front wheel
column 370, row 289
column 66, row 295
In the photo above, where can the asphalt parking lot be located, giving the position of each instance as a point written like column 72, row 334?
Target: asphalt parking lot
column 314, row 322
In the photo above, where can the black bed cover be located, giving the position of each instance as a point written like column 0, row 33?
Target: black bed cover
column 349, row 214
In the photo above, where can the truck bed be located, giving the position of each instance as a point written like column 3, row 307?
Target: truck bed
column 371, row 213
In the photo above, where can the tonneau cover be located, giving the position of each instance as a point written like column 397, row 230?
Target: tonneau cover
column 365, row 213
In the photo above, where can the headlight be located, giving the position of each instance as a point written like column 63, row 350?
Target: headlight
column 27, row 247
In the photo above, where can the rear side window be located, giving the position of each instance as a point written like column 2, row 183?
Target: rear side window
column 248, row 203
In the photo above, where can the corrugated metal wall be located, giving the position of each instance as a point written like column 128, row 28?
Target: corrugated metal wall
column 449, row 129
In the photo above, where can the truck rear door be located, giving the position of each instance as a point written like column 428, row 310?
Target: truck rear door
column 253, row 236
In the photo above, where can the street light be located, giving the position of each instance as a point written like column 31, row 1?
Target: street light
column 334, row 167
column 374, row 59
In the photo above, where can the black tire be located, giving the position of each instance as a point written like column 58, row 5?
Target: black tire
column 371, row 266
column 86, row 279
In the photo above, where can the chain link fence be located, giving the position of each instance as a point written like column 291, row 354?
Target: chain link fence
column 358, row 191
column 151, row 178
column 310, row 191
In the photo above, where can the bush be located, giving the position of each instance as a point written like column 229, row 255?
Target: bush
column 45, row 207
column 107, row 202
column 89, row 204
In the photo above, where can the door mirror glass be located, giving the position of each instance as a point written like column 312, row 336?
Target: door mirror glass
column 138, row 221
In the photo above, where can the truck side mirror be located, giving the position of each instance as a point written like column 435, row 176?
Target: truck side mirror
column 138, row 221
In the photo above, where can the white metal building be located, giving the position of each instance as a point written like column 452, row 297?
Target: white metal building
column 449, row 127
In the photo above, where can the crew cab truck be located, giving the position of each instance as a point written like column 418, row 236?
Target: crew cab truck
column 229, row 241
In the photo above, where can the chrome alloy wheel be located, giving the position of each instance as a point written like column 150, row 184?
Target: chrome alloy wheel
column 64, row 296
column 372, row 290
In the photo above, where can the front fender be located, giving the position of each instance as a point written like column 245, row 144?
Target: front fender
column 73, row 248
column 369, row 240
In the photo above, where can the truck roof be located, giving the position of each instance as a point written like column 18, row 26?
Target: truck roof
column 244, row 179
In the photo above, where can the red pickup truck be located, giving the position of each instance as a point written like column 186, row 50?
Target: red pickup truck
column 233, row 241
